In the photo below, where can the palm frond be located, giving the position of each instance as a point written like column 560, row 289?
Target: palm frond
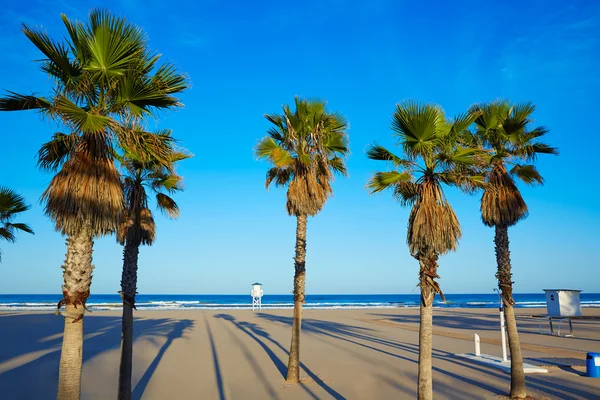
column 20, row 226
column 419, row 127
column 268, row 148
column 82, row 120
column 281, row 176
column 376, row 152
column 337, row 142
column 527, row 173
column 165, row 181
column 384, row 180
column 406, row 192
column 58, row 63
column 54, row 153
column 17, row 102
column 338, row 165
column 114, row 45
column 8, row 235
column 529, row 152
column 11, row 203
column 167, row 205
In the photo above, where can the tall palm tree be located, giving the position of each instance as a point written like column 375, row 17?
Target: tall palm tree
column 104, row 77
column 137, row 228
column 11, row 205
column 431, row 157
column 504, row 130
column 306, row 147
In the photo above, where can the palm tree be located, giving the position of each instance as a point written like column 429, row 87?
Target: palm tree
column 431, row 158
column 306, row 147
column 504, row 130
column 104, row 77
column 11, row 205
column 137, row 227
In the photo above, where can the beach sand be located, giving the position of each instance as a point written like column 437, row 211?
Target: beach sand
column 240, row 354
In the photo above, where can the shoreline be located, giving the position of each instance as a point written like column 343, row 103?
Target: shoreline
column 99, row 302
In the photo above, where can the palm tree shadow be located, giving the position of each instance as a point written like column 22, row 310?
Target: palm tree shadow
column 355, row 334
column 260, row 335
column 218, row 375
column 253, row 334
column 176, row 332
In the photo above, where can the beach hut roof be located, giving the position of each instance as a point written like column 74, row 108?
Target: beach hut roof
column 256, row 283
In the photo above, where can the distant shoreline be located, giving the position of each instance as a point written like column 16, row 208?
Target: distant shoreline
column 165, row 302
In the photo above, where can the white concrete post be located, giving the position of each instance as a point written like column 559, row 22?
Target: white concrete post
column 477, row 345
column 503, row 334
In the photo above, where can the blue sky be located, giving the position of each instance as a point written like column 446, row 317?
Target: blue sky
column 246, row 59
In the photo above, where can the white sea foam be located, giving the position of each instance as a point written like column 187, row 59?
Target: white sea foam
column 320, row 303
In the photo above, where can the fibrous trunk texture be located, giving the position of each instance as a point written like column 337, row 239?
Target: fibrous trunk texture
column 128, row 292
column 293, row 373
column 504, row 275
column 76, row 290
column 428, row 271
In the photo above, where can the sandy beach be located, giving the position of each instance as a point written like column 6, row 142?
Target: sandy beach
column 239, row 354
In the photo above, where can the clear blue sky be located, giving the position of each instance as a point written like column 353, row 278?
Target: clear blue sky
column 246, row 58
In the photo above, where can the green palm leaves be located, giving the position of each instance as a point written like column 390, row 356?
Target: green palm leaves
column 11, row 205
column 306, row 147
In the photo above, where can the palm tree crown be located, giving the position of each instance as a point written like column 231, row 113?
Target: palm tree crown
column 11, row 205
column 431, row 157
column 306, row 146
column 503, row 129
column 105, row 76
column 137, row 224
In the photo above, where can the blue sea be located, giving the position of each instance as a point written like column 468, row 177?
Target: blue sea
column 29, row 302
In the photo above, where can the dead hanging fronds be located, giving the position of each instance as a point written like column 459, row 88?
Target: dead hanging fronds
column 432, row 223
column 86, row 191
column 137, row 228
column 502, row 203
column 307, row 193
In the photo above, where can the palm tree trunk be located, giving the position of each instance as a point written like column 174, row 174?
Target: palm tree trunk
column 504, row 275
column 427, row 272
column 128, row 292
column 76, row 290
column 293, row 373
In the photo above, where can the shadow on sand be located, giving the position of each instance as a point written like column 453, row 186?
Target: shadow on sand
column 260, row 336
column 213, row 348
column 34, row 343
column 172, row 329
column 367, row 338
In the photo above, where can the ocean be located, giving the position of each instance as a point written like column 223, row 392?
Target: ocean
column 43, row 302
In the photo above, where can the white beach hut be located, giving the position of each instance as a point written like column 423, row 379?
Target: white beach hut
column 256, row 294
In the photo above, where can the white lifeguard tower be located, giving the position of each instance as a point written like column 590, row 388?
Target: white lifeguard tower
column 562, row 304
column 256, row 294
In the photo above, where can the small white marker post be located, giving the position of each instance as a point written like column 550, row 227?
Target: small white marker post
column 477, row 344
